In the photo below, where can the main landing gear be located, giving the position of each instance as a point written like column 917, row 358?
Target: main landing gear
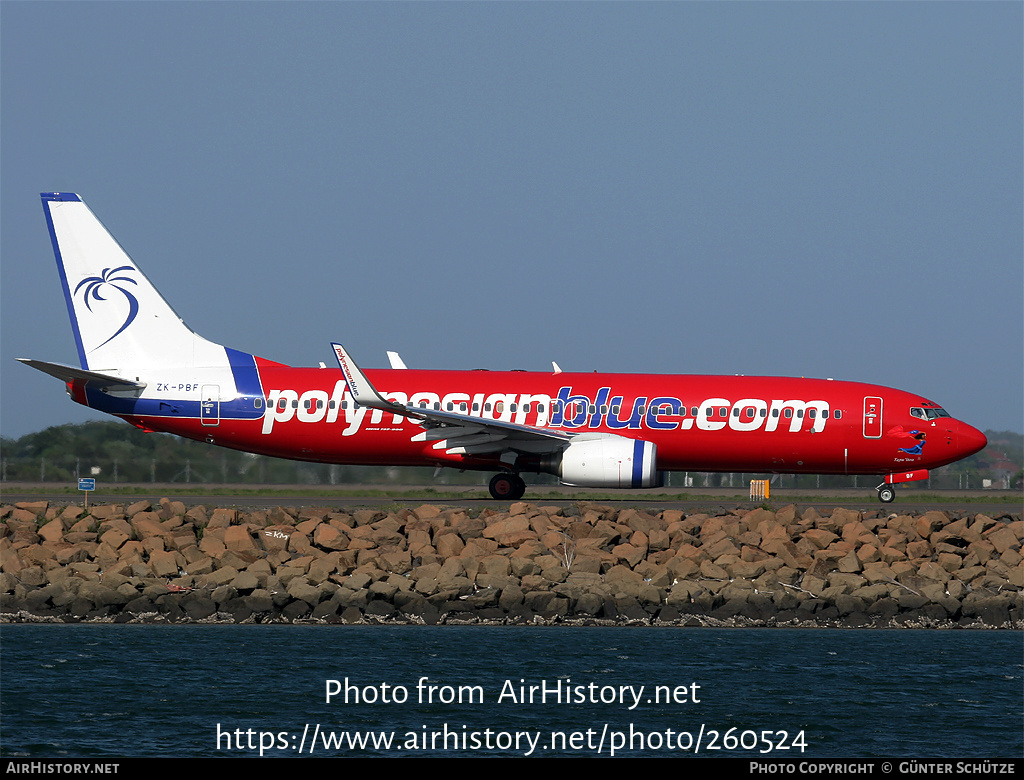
column 886, row 493
column 507, row 486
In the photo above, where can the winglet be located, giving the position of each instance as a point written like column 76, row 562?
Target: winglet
column 396, row 360
column 363, row 393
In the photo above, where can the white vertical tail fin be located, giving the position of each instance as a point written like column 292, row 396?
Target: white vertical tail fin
column 120, row 322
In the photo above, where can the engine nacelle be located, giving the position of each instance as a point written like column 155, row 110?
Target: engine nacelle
column 606, row 461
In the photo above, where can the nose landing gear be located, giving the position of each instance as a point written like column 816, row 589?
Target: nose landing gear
column 886, row 493
column 887, row 490
column 507, row 486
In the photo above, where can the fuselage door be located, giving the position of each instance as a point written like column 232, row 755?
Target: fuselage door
column 209, row 405
column 872, row 417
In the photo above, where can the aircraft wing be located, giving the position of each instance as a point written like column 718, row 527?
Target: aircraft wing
column 457, row 434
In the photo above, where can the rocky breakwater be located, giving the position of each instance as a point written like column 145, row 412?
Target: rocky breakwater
column 586, row 564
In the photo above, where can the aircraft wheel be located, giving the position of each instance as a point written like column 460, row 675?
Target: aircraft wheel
column 507, row 486
column 886, row 494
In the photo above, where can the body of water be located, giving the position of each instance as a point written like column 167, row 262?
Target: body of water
column 183, row 691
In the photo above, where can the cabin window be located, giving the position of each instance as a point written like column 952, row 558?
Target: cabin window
column 487, row 407
column 789, row 413
column 641, row 410
column 476, row 407
column 462, row 406
column 724, row 411
column 259, row 403
column 694, row 410
column 837, row 414
column 331, row 404
column 812, row 413
column 764, row 412
column 775, row 412
column 615, row 409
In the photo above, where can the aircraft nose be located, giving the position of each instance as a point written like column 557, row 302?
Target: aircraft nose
column 970, row 439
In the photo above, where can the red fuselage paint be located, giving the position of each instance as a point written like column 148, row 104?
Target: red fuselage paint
column 699, row 423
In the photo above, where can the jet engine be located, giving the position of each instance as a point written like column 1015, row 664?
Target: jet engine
column 606, row 461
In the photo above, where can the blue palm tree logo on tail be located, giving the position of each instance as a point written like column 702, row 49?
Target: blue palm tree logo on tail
column 94, row 286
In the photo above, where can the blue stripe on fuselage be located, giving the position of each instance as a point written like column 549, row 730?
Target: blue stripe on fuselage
column 247, row 380
column 241, row 407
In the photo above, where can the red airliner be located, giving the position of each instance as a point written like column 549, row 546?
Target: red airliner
column 140, row 362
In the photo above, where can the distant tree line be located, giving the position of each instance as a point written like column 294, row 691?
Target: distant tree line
column 114, row 452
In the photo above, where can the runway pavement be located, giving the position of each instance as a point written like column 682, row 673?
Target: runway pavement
column 990, row 502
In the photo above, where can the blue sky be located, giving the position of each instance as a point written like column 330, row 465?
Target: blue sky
column 801, row 189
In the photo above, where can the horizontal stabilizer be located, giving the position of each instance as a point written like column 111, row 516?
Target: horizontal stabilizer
column 69, row 374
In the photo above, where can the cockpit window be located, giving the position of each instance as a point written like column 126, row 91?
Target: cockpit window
column 927, row 414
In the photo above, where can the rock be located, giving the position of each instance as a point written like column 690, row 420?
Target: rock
column 530, row 564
